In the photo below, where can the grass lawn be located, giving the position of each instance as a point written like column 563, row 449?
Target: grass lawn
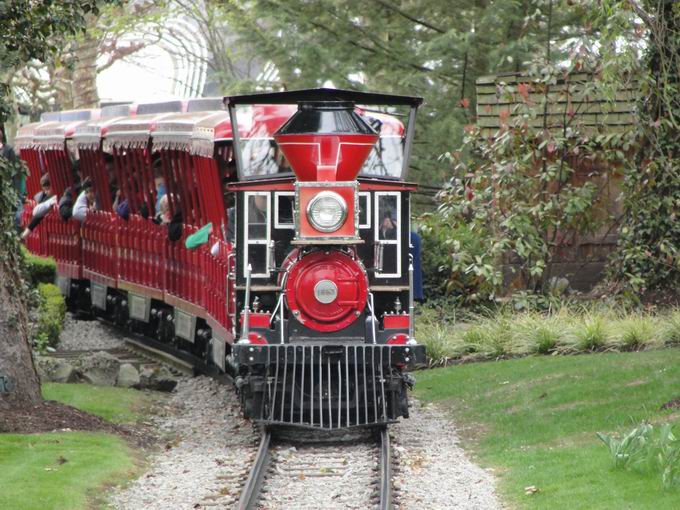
column 117, row 405
column 60, row 470
column 67, row 470
column 534, row 419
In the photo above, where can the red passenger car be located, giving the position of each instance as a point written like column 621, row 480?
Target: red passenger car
column 269, row 241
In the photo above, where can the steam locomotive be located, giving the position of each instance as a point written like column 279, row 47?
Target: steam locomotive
column 282, row 256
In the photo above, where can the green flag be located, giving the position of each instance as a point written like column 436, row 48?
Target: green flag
column 199, row 237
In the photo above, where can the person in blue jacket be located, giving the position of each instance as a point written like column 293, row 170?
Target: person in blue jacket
column 417, row 267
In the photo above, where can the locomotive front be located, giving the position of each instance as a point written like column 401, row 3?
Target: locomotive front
column 324, row 276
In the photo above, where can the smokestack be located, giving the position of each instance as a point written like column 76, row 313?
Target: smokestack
column 326, row 141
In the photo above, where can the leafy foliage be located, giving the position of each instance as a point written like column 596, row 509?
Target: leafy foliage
column 518, row 188
column 647, row 449
column 648, row 258
column 51, row 316
column 39, row 269
column 446, row 267
column 432, row 48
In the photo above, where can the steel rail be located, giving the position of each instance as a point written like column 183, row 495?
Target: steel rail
column 251, row 490
column 385, row 470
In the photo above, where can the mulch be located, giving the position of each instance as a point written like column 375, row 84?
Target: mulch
column 51, row 416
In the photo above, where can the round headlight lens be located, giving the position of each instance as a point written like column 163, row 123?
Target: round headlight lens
column 327, row 211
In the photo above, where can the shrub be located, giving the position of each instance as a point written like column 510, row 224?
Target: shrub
column 635, row 332
column 51, row 316
column 448, row 255
column 39, row 269
column 670, row 331
column 591, row 335
column 538, row 334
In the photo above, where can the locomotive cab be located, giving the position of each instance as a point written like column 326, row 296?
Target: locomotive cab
column 323, row 275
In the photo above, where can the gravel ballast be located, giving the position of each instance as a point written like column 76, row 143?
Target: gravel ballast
column 80, row 335
column 208, row 451
column 433, row 471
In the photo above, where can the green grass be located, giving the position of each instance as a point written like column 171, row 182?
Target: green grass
column 71, row 470
column 535, row 419
column 60, row 470
column 117, row 405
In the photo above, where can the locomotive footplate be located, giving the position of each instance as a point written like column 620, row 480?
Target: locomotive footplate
column 325, row 385
column 408, row 356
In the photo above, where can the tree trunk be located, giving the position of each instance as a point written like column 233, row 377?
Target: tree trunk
column 84, row 87
column 16, row 360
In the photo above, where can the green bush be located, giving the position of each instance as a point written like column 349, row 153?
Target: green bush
column 39, row 269
column 448, row 254
column 51, row 316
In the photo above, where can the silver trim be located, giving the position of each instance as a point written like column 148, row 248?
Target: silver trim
column 326, row 291
column 247, row 241
column 376, row 229
column 367, row 196
column 327, row 194
column 277, row 221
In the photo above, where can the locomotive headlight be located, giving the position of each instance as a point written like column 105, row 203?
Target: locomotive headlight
column 327, row 211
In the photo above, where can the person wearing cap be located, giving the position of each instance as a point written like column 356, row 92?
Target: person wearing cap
column 44, row 201
column 85, row 201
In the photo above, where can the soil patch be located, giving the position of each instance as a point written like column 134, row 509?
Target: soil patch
column 672, row 404
column 51, row 416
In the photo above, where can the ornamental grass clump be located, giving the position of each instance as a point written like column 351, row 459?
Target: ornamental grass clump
column 437, row 340
column 536, row 333
column 635, row 333
column 591, row 334
column 670, row 329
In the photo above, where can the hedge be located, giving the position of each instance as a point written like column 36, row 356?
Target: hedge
column 39, row 269
column 51, row 316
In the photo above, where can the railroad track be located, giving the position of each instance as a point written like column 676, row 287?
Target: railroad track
column 330, row 475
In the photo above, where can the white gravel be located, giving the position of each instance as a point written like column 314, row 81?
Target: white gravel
column 212, row 451
column 336, row 477
column 433, row 471
column 86, row 335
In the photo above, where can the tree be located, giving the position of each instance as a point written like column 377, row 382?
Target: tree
column 432, row 48
column 67, row 78
column 648, row 259
column 232, row 64
column 33, row 26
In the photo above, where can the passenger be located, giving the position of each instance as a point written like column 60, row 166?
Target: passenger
column 66, row 202
column 85, row 201
column 163, row 215
column 44, row 201
column 159, row 181
column 388, row 227
column 122, row 207
column 111, row 174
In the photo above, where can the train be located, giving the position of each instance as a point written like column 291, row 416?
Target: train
column 264, row 236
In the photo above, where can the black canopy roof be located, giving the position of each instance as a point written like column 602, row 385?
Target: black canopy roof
column 323, row 94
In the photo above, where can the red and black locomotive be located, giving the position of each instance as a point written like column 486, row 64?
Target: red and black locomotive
column 281, row 251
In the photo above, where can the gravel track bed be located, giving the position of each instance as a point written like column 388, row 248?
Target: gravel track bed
column 330, row 477
column 207, row 456
column 433, row 471
column 86, row 335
